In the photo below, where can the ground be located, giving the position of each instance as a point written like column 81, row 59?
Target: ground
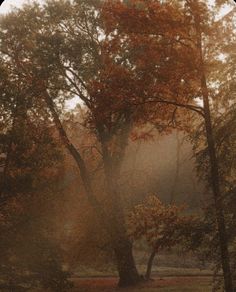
column 164, row 284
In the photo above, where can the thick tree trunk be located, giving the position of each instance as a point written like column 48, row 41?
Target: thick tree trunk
column 122, row 246
column 149, row 265
column 214, row 168
column 128, row 274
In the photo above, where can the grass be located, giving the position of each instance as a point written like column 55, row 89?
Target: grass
column 166, row 279
column 156, row 271
column 165, row 284
column 172, row 271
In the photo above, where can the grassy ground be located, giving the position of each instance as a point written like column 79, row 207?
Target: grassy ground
column 156, row 271
column 165, row 284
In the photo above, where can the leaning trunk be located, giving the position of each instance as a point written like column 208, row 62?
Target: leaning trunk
column 219, row 204
column 149, row 265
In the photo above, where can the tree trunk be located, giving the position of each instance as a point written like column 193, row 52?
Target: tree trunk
column 122, row 246
column 149, row 265
column 128, row 274
column 177, row 169
column 214, row 168
column 219, row 204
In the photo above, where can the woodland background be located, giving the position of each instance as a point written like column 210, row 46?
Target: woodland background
column 137, row 177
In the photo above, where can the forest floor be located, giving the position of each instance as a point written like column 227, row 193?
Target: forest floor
column 162, row 284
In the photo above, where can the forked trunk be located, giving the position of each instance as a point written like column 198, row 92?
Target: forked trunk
column 113, row 218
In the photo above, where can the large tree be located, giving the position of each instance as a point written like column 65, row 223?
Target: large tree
column 71, row 50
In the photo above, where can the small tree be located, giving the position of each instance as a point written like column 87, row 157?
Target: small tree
column 162, row 226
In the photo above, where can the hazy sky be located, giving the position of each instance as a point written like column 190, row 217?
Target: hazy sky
column 7, row 4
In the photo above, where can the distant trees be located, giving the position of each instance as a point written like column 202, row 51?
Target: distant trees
column 29, row 176
column 31, row 160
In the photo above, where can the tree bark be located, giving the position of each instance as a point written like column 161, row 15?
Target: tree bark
column 214, row 167
column 128, row 274
column 219, row 204
column 149, row 265
column 112, row 161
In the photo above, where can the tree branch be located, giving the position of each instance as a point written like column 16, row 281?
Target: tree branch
column 73, row 151
column 196, row 109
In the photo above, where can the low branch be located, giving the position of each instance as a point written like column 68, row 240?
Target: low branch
column 196, row 109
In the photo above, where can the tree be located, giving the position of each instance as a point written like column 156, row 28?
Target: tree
column 221, row 96
column 215, row 178
column 162, row 226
